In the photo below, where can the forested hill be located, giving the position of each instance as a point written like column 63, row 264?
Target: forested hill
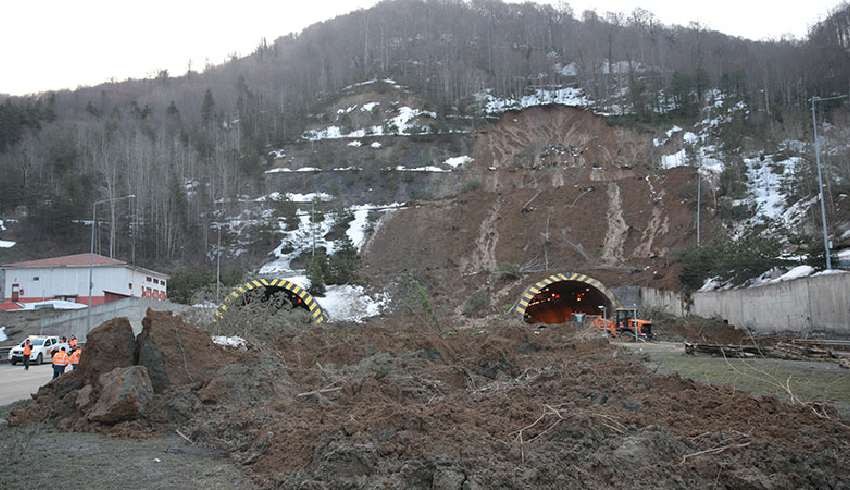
column 181, row 143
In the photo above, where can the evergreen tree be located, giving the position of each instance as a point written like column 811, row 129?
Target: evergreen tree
column 287, row 210
column 316, row 273
column 208, row 108
column 344, row 263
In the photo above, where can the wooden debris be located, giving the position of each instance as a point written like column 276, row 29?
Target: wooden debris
column 727, row 350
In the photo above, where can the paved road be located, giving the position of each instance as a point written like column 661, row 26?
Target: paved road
column 17, row 384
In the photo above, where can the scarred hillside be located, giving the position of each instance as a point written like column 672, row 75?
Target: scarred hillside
column 557, row 189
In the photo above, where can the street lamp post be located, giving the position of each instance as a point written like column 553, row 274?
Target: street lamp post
column 218, row 265
column 826, row 246
column 91, row 253
column 604, row 319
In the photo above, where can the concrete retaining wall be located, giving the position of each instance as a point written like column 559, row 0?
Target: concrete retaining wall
column 76, row 322
column 814, row 304
column 669, row 302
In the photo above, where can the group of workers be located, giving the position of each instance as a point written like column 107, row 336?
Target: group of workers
column 66, row 355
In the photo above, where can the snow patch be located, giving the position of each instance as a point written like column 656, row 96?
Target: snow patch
column 347, row 302
column 356, row 144
column 829, row 272
column 375, row 145
column 54, row 305
column 431, row 169
column 566, row 96
column 690, row 138
column 798, row 272
column 455, row 162
column 6, row 244
column 765, row 181
column 234, row 341
column 368, row 107
column 309, row 197
column 678, row 159
column 3, row 336
column 673, row 130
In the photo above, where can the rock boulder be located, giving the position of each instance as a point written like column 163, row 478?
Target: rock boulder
column 111, row 345
column 175, row 352
column 125, row 395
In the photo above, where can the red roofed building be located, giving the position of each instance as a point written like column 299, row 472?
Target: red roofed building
column 67, row 278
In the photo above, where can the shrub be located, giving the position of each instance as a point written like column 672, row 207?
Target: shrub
column 477, row 304
column 471, row 185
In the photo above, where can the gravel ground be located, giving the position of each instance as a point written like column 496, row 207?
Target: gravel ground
column 40, row 457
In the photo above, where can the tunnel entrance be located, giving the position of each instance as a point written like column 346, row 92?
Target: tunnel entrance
column 558, row 297
column 276, row 297
column 276, row 293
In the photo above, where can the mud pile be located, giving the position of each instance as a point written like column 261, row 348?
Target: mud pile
column 395, row 404
column 124, row 381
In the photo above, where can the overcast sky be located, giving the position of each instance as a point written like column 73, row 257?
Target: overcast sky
column 53, row 44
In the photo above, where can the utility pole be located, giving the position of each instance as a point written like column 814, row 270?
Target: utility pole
column 91, row 256
column 218, row 265
column 313, row 225
column 699, row 201
column 826, row 244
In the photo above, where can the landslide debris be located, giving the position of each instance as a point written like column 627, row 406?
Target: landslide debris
column 392, row 404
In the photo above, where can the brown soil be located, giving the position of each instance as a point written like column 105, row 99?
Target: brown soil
column 700, row 330
column 395, row 404
column 594, row 207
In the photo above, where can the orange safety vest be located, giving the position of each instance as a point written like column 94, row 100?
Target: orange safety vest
column 60, row 359
column 75, row 357
column 73, row 343
column 27, row 350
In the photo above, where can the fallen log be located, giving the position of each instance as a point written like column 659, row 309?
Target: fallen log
column 727, row 350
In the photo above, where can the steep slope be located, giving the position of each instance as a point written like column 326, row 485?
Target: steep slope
column 592, row 205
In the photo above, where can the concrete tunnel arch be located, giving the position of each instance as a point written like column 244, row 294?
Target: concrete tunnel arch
column 297, row 295
column 555, row 298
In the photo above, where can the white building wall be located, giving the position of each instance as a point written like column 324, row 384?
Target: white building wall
column 73, row 281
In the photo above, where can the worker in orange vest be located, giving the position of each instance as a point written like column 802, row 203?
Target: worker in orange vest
column 73, row 343
column 27, row 354
column 60, row 361
column 74, row 358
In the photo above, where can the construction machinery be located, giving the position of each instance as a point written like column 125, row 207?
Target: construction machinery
column 626, row 324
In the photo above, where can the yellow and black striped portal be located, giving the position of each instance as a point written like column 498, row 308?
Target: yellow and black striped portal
column 535, row 289
column 236, row 296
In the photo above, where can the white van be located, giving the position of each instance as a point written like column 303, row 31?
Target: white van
column 41, row 346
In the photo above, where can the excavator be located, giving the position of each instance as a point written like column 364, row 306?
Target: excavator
column 626, row 325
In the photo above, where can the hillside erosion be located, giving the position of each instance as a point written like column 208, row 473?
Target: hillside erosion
column 553, row 189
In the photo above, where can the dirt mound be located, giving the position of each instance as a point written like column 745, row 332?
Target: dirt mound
column 698, row 330
column 119, row 375
column 110, row 345
column 395, row 404
column 175, row 352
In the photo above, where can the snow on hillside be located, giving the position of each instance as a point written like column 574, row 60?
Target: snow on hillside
column 430, row 169
column 387, row 81
column 295, row 197
column 678, row 159
column 285, row 170
column 566, row 96
column 347, row 302
column 457, row 162
column 298, row 242
column 765, row 178
column 404, row 123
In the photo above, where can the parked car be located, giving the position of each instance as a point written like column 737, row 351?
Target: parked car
column 41, row 347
